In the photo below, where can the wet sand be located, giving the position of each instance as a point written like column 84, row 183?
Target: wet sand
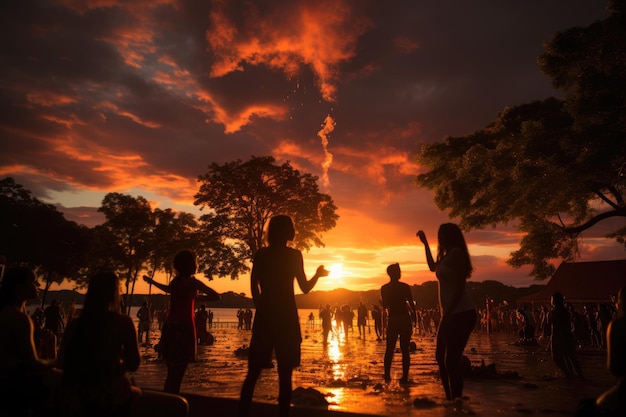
column 349, row 373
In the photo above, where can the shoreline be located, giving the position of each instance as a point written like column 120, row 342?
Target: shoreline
column 349, row 373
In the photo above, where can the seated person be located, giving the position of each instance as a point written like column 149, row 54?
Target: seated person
column 27, row 383
column 98, row 349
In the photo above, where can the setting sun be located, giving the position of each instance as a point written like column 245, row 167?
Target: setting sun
column 336, row 272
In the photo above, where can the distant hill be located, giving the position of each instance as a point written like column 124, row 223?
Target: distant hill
column 424, row 294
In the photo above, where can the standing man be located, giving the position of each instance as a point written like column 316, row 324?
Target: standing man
column 361, row 319
column 326, row 316
column 398, row 301
column 145, row 318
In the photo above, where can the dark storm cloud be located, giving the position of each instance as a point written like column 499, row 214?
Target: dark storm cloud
column 107, row 95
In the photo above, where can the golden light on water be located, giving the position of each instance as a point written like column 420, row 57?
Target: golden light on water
column 335, row 357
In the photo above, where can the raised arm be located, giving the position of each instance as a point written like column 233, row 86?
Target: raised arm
column 162, row 287
column 307, row 285
column 429, row 256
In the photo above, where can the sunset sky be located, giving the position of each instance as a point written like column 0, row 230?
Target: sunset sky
column 139, row 97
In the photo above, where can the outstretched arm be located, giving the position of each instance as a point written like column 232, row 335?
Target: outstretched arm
column 429, row 256
column 162, row 287
column 208, row 291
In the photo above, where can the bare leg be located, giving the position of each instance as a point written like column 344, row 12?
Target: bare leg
column 175, row 373
column 284, row 391
column 391, row 346
column 247, row 391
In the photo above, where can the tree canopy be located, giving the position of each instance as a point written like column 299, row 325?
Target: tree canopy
column 37, row 235
column 553, row 167
column 242, row 196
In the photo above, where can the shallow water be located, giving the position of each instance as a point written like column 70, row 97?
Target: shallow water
column 349, row 372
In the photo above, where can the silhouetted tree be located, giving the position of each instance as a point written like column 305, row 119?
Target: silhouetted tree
column 38, row 235
column 242, row 196
column 131, row 221
column 173, row 232
column 554, row 167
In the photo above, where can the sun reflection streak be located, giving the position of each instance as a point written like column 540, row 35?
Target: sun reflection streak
column 338, row 370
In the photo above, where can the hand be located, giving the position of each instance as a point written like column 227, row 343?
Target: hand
column 422, row 236
column 147, row 278
column 321, row 271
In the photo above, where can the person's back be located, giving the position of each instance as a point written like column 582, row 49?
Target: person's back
column 397, row 300
column 96, row 355
column 276, row 327
column 98, row 348
column 182, row 300
column 276, row 280
column 52, row 317
column 394, row 296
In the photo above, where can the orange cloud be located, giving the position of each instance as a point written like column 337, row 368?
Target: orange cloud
column 107, row 105
column 118, row 171
column 68, row 122
column 320, row 36
column 233, row 121
column 49, row 98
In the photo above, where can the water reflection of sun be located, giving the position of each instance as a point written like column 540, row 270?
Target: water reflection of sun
column 338, row 370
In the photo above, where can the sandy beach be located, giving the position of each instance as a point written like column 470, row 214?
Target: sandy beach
column 348, row 372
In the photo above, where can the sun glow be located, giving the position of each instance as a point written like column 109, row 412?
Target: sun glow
column 336, row 272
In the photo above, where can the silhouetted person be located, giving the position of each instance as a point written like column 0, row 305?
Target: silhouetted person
column 613, row 402
column 398, row 302
column 377, row 317
column 240, row 318
column 145, row 318
column 528, row 328
column 178, row 344
column 361, row 318
column 276, row 325
column 53, row 322
column 458, row 313
column 326, row 317
column 562, row 342
column 247, row 319
column 201, row 318
column 98, row 349
column 345, row 318
column 26, row 382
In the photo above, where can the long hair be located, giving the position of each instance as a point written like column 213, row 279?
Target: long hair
column 280, row 230
column 103, row 293
column 14, row 278
column 451, row 237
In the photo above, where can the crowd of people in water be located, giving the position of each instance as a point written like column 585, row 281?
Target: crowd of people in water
column 70, row 362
